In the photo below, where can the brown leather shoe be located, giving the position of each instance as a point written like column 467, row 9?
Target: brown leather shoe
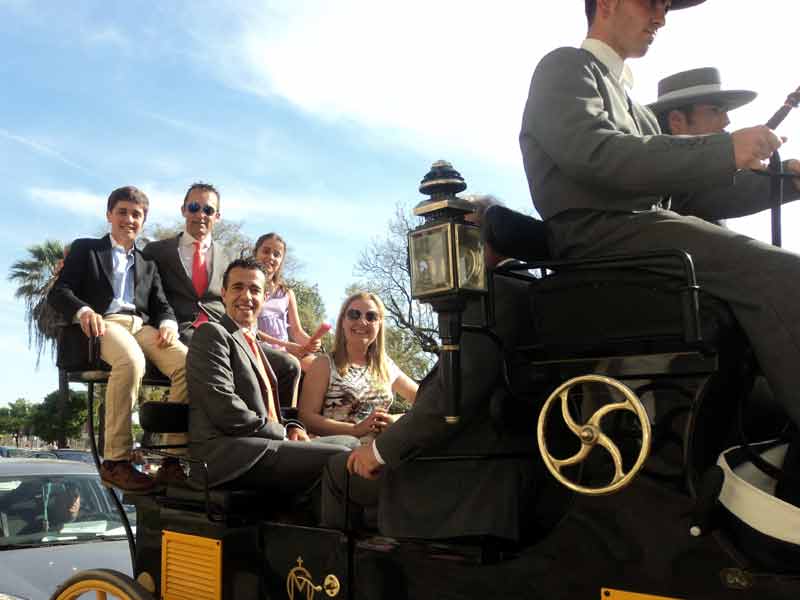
column 170, row 472
column 121, row 474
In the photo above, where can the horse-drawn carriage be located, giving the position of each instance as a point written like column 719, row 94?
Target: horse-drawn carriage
column 638, row 398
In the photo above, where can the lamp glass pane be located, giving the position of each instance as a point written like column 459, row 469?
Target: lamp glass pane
column 431, row 272
column 471, row 266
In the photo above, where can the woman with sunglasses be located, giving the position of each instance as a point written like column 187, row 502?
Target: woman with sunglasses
column 279, row 321
column 350, row 390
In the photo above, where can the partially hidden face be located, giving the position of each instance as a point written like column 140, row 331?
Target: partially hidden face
column 706, row 118
column 126, row 219
column 362, row 321
column 199, row 223
column 244, row 295
column 270, row 254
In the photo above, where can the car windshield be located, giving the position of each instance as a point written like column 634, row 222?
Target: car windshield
column 51, row 509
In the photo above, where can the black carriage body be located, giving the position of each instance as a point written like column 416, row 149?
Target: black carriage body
column 679, row 350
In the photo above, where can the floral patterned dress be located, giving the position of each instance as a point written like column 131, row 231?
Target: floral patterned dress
column 352, row 397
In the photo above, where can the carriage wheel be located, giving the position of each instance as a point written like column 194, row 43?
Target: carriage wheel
column 105, row 583
column 591, row 435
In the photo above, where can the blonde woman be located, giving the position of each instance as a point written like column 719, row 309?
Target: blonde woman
column 349, row 391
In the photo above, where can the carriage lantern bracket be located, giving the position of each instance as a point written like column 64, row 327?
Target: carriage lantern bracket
column 447, row 267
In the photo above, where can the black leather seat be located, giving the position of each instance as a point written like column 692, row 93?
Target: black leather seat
column 613, row 305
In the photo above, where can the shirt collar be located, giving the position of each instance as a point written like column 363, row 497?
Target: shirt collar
column 119, row 247
column 618, row 68
column 187, row 240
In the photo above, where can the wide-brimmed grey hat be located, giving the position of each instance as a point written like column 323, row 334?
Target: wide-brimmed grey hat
column 676, row 4
column 697, row 86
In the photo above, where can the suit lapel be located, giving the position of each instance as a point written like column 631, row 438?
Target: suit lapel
column 217, row 265
column 105, row 260
column 236, row 332
column 176, row 264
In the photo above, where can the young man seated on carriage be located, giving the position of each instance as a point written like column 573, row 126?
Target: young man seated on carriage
column 115, row 293
column 601, row 175
column 235, row 422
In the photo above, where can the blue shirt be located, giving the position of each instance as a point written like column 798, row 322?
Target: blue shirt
column 122, row 279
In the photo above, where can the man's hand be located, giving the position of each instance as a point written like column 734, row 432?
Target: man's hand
column 793, row 166
column 166, row 336
column 297, row 434
column 362, row 462
column 753, row 145
column 92, row 324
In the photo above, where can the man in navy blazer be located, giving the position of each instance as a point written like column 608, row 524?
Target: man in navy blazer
column 115, row 293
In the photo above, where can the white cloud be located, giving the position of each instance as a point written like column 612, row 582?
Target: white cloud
column 41, row 148
column 314, row 212
column 453, row 76
column 107, row 36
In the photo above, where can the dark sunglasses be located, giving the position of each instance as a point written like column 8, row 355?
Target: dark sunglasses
column 194, row 207
column 354, row 315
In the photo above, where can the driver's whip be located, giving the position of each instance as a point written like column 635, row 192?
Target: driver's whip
column 792, row 100
column 776, row 186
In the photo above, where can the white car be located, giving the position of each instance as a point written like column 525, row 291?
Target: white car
column 55, row 519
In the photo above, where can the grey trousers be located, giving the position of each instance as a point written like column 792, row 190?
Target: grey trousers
column 295, row 467
column 760, row 282
column 363, row 493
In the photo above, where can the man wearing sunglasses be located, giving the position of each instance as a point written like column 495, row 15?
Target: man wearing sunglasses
column 191, row 264
column 191, row 267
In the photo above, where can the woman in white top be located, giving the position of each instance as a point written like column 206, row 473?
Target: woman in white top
column 349, row 391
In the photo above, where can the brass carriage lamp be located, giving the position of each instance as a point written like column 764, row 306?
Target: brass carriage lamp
column 447, row 266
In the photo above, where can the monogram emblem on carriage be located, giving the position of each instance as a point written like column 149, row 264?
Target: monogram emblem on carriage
column 300, row 582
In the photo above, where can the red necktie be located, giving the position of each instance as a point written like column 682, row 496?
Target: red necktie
column 262, row 372
column 199, row 280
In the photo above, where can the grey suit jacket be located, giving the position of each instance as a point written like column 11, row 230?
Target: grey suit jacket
column 178, row 284
column 435, row 500
column 228, row 426
column 586, row 146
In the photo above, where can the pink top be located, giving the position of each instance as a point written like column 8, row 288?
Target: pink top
column 274, row 317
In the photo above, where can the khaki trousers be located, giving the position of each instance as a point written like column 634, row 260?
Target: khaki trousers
column 125, row 346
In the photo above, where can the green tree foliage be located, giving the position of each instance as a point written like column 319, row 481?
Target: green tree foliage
column 34, row 277
column 383, row 269
column 310, row 307
column 16, row 419
column 46, row 422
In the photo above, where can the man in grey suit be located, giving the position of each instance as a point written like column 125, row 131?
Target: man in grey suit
column 457, row 498
column 601, row 174
column 191, row 267
column 235, row 422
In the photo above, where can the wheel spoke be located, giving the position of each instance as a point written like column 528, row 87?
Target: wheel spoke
column 100, row 595
column 573, row 426
column 579, row 457
column 608, row 408
column 616, row 456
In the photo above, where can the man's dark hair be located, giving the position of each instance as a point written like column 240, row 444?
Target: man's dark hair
column 591, row 10
column 663, row 118
column 247, row 262
column 128, row 194
column 203, row 187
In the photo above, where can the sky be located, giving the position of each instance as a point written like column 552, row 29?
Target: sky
column 313, row 118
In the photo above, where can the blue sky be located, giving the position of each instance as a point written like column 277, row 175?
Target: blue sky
column 313, row 118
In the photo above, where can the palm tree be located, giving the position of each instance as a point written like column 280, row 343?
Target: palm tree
column 34, row 278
